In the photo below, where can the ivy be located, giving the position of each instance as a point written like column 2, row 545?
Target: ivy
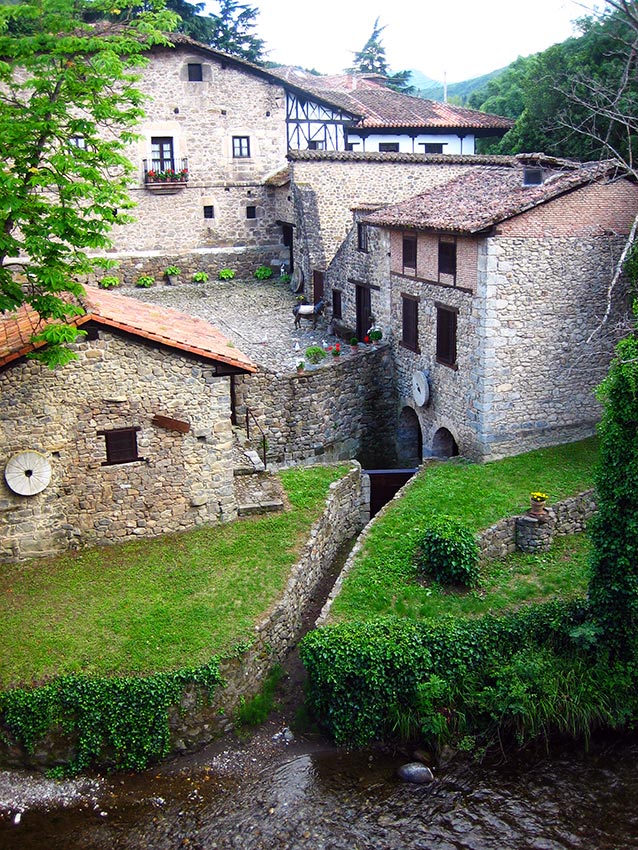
column 122, row 721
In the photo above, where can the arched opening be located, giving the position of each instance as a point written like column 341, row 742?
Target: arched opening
column 409, row 439
column 444, row 444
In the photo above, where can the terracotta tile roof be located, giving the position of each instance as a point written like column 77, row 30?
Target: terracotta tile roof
column 485, row 195
column 383, row 156
column 377, row 106
column 147, row 321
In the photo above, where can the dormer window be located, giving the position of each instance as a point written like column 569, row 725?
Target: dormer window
column 532, row 175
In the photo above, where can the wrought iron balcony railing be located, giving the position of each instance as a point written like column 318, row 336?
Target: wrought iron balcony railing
column 165, row 171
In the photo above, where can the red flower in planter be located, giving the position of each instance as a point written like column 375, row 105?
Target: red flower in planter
column 366, row 339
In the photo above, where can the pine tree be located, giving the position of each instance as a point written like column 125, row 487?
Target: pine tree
column 372, row 60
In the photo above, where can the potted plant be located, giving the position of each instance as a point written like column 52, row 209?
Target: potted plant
column 200, row 277
column 538, row 501
column 109, row 282
column 172, row 274
column 226, row 274
column 315, row 354
column 354, row 345
column 145, row 281
column 375, row 335
column 336, row 349
column 300, row 367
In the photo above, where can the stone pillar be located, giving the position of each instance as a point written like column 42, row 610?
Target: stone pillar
column 535, row 533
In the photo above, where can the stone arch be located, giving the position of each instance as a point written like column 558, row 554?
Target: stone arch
column 409, row 439
column 443, row 444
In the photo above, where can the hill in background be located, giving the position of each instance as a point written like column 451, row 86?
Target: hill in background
column 457, row 92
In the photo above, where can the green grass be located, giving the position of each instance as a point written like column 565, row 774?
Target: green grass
column 157, row 604
column 383, row 579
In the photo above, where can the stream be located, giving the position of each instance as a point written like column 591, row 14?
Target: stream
column 274, row 794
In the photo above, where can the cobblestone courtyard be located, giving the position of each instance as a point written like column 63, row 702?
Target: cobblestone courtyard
column 255, row 315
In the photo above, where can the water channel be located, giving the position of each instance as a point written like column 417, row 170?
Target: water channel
column 269, row 794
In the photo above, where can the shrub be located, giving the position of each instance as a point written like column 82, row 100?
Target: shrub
column 448, row 551
column 315, row 354
column 284, row 278
column 170, row 271
column 109, row 282
column 375, row 334
column 145, row 281
column 263, row 272
column 200, row 277
column 226, row 274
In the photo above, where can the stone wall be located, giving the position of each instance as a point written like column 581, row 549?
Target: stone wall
column 201, row 119
column 181, row 479
column 195, row 723
column 569, row 516
column 333, row 412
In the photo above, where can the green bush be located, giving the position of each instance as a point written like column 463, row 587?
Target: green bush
column 447, row 550
column 200, row 277
column 263, row 272
column 171, row 271
column 516, row 678
column 109, row 282
column 226, row 274
column 315, row 354
column 145, row 281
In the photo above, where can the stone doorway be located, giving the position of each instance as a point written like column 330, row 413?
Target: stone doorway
column 444, row 445
column 409, row 439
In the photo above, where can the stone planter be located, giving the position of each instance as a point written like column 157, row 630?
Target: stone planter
column 537, row 507
column 172, row 279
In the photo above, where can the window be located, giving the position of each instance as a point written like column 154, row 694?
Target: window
column 336, row 304
column 78, row 142
column 209, row 211
column 121, row 446
column 432, row 147
column 446, row 335
column 241, row 147
column 409, row 253
column 532, row 176
column 162, row 158
column 316, row 146
column 447, row 256
column 195, row 72
column 362, row 237
column 410, row 334
column 389, row 147
column 251, row 212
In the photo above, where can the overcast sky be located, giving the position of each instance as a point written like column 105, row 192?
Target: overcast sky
column 459, row 38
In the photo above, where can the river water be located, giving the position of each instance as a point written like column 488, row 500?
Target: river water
column 272, row 795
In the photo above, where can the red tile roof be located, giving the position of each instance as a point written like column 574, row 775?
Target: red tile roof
column 147, row 321
column 378, row 106
column 486, row 195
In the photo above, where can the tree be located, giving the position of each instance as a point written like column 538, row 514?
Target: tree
column 68, row 106
column 232, row 31
column 372, row 60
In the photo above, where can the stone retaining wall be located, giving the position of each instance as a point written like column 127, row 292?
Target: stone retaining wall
column 334, row 412
column 194, row 723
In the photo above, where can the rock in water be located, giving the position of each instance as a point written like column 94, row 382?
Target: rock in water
column 415, row 772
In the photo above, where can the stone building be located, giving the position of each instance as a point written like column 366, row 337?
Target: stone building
column 132, row 439
column 208, row 190
column 491, row 288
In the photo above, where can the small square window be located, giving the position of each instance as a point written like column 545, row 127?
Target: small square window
column 362, row 237
column 409, row 253
column 251, row 212
column 532, row 176
column 446, row 335
column 121, row 446
column 389, row 147
column 316, row 146
column 195, row 72
column 241, row 147
column 78, row 142
column 209, row 211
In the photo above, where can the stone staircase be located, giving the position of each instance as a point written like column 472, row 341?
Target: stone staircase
column 256, row 490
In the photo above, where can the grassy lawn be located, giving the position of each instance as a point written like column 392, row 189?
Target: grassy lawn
column 383, row 580
column 158, row 604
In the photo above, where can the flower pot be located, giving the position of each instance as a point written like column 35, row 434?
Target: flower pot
column 537, row 507
column 172, row 279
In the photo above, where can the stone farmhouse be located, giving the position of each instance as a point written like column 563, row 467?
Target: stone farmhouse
column 212, row 187
column 133, row 438
column 491, row 288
